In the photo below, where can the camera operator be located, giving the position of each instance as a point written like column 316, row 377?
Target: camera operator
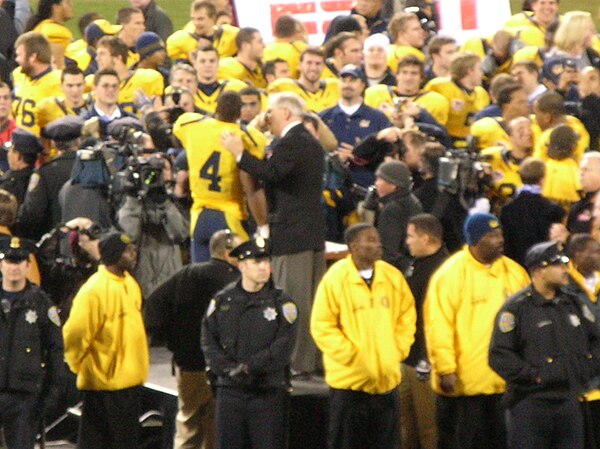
column 441, row 204
column 152, row 219
column 397, row 204
column 177, row 101
column 85, row 194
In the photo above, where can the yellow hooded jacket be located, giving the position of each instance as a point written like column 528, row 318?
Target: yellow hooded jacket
column 460, row 308
column 578, row 278
column 364, row 332
column 105, row 338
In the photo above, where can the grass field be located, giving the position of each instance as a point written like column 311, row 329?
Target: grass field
column 178, row 10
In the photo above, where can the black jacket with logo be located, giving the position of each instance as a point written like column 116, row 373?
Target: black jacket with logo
column 31, row 346
column 546, row 348
column 255, row 329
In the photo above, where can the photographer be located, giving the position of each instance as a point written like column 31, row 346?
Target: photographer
column 64, row 272
column 397, row 204
column 441, row 204
column 152, row 219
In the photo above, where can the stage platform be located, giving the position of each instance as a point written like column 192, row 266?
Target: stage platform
column 161, row 377
column 308, row 414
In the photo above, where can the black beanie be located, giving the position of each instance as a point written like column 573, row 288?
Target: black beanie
column 112, row 246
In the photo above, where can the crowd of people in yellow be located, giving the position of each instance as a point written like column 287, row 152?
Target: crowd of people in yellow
column 165, row 164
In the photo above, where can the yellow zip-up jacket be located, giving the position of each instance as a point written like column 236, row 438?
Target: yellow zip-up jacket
column 460, row 308
column 105, row 339
column 578, row 279
column 364, row 332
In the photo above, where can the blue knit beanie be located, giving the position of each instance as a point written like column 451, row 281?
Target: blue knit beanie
column 148, row 43
column 478, row 225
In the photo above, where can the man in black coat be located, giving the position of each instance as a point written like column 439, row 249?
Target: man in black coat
column 397, row 204
column 156, row 20
column 293, row 176
column 173, row 313
column 417, row 399
column 40, row 211
column 526, row 220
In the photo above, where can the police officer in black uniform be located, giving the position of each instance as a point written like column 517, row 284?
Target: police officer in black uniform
column 40, row 212
column 22, row 152
column 247, row 337
column 31, row 347
column 546, row 346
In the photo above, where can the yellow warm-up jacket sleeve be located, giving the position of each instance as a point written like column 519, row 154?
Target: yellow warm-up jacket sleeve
column 80, row 328
column 407, row 320
column 325, row 327
column 440, row 328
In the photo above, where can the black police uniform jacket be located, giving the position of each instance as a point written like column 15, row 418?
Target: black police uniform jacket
column 31, row 346
column 257, row 329
column 41, row 211
column 174, row 311
column 16, row 182
column 549, row 349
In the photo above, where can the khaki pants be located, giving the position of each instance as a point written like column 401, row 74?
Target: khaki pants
column 195, row 422
column 298, row 275
column 417, row 411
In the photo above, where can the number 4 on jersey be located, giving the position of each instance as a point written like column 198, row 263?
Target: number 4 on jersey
column 210, row 171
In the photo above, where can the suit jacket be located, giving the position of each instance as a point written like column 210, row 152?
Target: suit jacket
column 526, row 221
column 293, row 177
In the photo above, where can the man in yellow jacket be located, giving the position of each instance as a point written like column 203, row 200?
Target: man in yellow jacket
column 463, row 298
column 364, row 321
column 105, row 345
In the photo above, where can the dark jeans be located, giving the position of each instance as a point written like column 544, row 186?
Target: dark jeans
column 251, row 419
column 18, row 418
column 470, row 422
column 360, row 420
column 534, row 423
column 109, row 419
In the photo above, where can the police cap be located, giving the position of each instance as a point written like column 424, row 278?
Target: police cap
column 257, row 248
column 24, row 142
column 545, row 254
column 64, row 129
column 15, row 249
